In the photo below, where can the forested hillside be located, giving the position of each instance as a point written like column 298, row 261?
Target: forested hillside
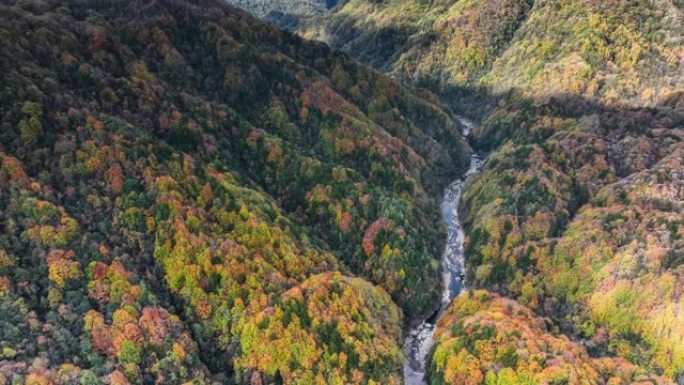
column 486, row 339
column 444, row 45
column 283, row 8
column 618, row 51
column 580, row 217
column 578, row 212
column 189, row 194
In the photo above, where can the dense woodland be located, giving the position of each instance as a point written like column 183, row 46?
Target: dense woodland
column 486, row 339
column 284, row 8
column 189, row 194
column 579, row 212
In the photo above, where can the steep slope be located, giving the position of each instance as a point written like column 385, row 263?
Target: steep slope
column 444, row 45
column 578, row 211
column 618, row 52
column 293, row 8
column 484, row 338
column 609, row 270
column 182, row 186
column 562, row 218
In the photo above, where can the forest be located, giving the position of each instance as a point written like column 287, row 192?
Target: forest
column 189, row 194
column 578, row 212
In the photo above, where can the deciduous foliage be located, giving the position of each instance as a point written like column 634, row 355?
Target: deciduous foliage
column 169, row 172
column 555, row 222
column 486, row 339
column 442, row 44
column 352, row 332
column 587, row 112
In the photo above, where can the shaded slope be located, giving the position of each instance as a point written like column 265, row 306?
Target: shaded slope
column 581, row 97
column 283, row 8
column 169, row 172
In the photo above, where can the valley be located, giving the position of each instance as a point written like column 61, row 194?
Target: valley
column 419, row 340
column 577, row 100
column 294, row 192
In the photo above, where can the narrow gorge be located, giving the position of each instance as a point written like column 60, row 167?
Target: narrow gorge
column 420, row 338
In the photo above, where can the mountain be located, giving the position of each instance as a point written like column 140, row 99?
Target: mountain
column 578, row 212
column 190, row 194
column 584, row 225
column 293, row 8
column 616, row 51
column 444, row 45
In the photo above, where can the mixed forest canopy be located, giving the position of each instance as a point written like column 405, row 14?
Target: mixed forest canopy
column 578, row 212
column 189, row 194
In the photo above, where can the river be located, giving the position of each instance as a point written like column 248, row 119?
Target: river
column 419, row 340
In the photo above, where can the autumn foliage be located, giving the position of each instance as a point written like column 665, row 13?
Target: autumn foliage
column 486, row 339
column 170, row 177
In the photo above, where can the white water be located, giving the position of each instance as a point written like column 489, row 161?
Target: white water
column 419, row 341
column 468, row 125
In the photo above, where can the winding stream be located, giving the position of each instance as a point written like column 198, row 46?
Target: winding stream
column 419, row 340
